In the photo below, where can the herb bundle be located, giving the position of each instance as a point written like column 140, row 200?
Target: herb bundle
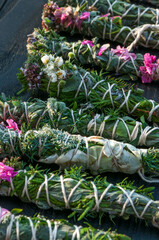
column 125, row 66
column 95, row 153
column 40, row 228
column 131, row 14
column 83, row 196
column 80, row 121
column 94, row 24
column 83, row 86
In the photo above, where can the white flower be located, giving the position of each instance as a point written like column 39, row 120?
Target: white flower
column 51, row 57
column 45, row 59
column 61, row 74
column 50, row 67
column 53, row 77
column 59, row 61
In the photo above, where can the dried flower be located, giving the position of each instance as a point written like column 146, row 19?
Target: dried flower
column 80, row 19
column 123, row 53
column 45, row 59
column 84, row 15
column 114, row 17
column 53, row 77
column 150, row 70
column 105, row 15
column 3, row 212
column 59, row 61
column 61, row 74
column 33, row 75
column 103, row 49
column 85, row 42
column 6, row 173
column 12, row 125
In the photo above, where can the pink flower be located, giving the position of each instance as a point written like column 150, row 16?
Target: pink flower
column 12, row 125
column 85, row 42
column 64, row 16
column 84, row 15
column 150, row 70
column 123, row 53
column 103, row 49
column 3, row 212
column 114, row 17
column 6, row 172
column 105, row 15
column 80, row 19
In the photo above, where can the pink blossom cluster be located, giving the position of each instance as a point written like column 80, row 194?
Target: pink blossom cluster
column 150, row 70
column 3, row 212
column 68, row 18
column 12, row 125
column 123, row 53
column 6, row 173
column 85, row 42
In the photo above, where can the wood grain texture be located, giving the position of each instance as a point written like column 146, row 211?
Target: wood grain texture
column 17, row 19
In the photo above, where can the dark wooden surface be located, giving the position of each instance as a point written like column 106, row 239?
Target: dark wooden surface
column 17, row 19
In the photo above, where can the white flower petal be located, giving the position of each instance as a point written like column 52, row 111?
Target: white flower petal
column 45, row 59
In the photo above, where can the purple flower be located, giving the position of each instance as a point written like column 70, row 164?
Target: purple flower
column 150, row 70
column 12, row 125
column 6, row 173
column 123, row 53
column 103, row 49
column 85, row 42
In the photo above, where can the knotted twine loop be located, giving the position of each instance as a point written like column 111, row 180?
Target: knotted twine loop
column 139, row 31
column 154, row 108
column 141, row 173
column 67, row 200
column 84, row 85
column 45, row 183
column 110, row 93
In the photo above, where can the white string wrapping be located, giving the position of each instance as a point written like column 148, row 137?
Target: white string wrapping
column 52, row 230
column 144, row 133
column 67, row 200
column 46, row 189
column 154, row 12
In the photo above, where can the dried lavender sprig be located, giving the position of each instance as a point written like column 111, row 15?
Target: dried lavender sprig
column 82, row 196
column 40, row 228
